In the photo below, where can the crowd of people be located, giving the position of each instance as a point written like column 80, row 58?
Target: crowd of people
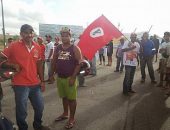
column 134, row 52
column 27, row 58
column 141, row 53
column 65, row 60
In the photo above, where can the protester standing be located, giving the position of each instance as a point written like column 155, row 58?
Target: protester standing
column 56, row 41
column 131, row 50
column 10, row 40
column 156, row 45
column 101, row 56
column 93, row 70
column 163, row 58
column 147, row 52
column 110, row 52
column 28, row 82
column 49, row 50
column 42, row 46
column 66, row 63
column 119, row 56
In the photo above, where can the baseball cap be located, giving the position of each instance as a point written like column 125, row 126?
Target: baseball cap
column 26, row 27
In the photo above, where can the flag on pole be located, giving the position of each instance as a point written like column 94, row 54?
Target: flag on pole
column 96, row 35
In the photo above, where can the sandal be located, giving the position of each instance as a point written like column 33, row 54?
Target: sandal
column 61, row 118
column 70, row 125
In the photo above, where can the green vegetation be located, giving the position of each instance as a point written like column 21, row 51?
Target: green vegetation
column 15, row 37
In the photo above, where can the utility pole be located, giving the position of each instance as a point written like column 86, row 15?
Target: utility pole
column 3, row 25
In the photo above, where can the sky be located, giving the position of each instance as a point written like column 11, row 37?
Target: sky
column 129, row 14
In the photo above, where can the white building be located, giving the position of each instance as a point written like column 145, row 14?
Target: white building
column 54, row 29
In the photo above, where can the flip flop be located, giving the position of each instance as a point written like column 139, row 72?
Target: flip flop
column 61, row 118
column 70, row 125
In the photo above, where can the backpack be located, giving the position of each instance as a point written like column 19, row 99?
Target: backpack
column 6, row 124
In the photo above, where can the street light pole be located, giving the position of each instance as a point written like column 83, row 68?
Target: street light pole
column 3, row 25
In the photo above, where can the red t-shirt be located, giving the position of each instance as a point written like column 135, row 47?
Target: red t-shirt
column 19, row 54
column 42, row 46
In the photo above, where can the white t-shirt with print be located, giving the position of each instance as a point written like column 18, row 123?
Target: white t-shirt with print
column 48, row 48
column 130, row 57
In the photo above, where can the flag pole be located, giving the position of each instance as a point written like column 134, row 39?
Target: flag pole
column 135, row 30
column 150, row 29
column 122, row 33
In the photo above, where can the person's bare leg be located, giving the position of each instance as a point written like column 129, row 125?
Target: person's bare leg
column 64, row 115
column 72, row 107
column 110, row 60
column 65, row 106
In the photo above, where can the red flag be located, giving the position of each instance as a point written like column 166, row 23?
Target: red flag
column 96, row 35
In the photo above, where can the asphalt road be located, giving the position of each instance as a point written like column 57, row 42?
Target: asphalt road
column 102, row 106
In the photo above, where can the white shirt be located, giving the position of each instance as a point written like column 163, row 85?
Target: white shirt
column 165, row 45
column 130, row 57
column 48, row 48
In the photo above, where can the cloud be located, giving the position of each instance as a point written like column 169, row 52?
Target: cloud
column 19, row 12
column 130, row 13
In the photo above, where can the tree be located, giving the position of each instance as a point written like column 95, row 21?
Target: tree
column 15, row 37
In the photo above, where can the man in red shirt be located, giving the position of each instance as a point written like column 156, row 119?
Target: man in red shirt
column 42, row 47
column 28, row 82
column 10, row 40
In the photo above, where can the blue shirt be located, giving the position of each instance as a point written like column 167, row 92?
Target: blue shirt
column 119, row 50
column 148, row 47
column 101, row 51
